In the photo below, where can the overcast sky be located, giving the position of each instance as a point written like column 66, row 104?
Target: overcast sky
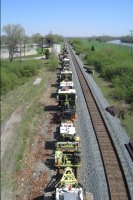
column 70, row 17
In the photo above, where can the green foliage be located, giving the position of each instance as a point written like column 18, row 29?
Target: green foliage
column 16, row 73
column 43, row 51
column 114, row 64
column 39, row 50
column 92, row 48
column 79, row 46
column 123, row 87
column 53, row 63
column 8, row 80
column 53, row 39
column 117, row 69
column 37, row 38
column 126, row 39
column 14, row 36
column 47, row 53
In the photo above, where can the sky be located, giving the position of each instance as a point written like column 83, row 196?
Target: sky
column 70, row 17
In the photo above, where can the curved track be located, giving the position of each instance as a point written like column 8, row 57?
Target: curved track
column 116, row 181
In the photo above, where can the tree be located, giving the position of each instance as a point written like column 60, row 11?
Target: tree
column 3, row 39
column 14, row 34
column 92, row 48
column 37, row 38
column 51, row 39
column 47, row 53
column 25, row 41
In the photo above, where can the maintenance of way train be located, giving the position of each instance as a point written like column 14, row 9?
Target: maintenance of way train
column 67, row 147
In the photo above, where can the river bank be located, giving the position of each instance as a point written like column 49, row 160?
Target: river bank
column 118, row 42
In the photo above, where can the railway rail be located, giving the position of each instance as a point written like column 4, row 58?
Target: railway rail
column 129, row 147
column 116, row 180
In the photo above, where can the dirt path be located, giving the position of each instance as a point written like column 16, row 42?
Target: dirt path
column 32, row 175
column 11, row 126
column 36, row 173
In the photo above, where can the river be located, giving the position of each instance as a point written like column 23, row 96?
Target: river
column 118, row 42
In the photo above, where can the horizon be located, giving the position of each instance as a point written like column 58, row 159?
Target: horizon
column 74, row 18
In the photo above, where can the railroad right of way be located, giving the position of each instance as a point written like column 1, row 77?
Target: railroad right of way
column 119, row 138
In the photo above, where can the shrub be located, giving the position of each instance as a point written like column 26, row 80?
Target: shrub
column 39, row 51
column 114, row 64
column 16, row 73
column 124, row 87
column 53, row 63
column 8, row 81
column 47, row 53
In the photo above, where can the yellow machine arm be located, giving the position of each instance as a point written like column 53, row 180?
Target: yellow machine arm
column 68, row 178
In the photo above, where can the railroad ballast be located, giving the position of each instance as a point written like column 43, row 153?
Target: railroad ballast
column 67, row 147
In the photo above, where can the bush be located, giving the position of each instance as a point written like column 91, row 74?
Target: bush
column 39, row 51
column 8, row 80
column 28, row 71
column 53, row 63
column 47, row 53
column 113, row 63
column 16, row 73
column 123, row 87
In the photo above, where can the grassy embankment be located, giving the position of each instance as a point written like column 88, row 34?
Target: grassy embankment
column 19, row 91
column 113, row 67
column 17, row 73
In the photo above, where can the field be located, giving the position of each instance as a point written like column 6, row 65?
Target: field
column 113, row 71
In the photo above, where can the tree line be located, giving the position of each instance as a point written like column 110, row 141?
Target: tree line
column 14, row 36
column 127, row 39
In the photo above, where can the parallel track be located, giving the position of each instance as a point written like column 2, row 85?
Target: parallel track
column 116, row 181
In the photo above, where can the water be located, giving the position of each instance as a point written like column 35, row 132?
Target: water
column 118, row 42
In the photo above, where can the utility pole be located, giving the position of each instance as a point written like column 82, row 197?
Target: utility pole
column 131, row 41
column 42, row 45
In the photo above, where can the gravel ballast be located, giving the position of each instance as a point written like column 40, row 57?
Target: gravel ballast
column 91, row 174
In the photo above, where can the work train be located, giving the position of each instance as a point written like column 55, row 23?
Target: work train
column 67, row 153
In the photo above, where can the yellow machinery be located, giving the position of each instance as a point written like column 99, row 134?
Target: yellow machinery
column 67, row 146
column 66, row 99
column 66, row 75
column 69, row 188
column 66, row 159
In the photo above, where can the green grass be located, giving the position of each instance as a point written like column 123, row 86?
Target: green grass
column 113, row 66
column 24, row 95
column 105, row 86
column 127, row 123
column 28, row 56
column 94, row 43
column 84, row 45
column 16, row 73
column 27, row 131
column 22, row 92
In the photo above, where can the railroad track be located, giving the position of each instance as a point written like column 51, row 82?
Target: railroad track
column 116, row 181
